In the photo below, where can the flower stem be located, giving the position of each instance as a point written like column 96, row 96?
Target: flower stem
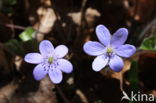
column 121, row 82
column 62, row 94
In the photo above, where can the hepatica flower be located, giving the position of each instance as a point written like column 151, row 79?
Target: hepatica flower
column 50, row 61
column 110, row 49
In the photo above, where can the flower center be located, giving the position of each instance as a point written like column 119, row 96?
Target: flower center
column 109, row 50
column 50, row 60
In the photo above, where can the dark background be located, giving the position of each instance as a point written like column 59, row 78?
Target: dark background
column 73, row 22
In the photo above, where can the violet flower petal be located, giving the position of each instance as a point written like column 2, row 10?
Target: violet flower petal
column 33, row 58
column 99, row 62
column 119, row 37
column 61, row 51
column 65, row 65
column 39, row 72
column 116, row 63
column 46, row 47
column 125, row 50
column 94, row 48
column 103, row 34
column 55, row 75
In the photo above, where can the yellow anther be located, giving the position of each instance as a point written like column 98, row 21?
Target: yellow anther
column 50, row 60
column 109, row 50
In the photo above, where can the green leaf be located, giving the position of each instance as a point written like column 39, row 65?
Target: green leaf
column 10, row 2
column 133, row 73
column 149, row 43
column 133, row 78
column 99, row 101
column 28, row 34
column 15, row 47
column 31, row 46
column 6, row 6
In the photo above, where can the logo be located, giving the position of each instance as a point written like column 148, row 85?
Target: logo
column 137, row 97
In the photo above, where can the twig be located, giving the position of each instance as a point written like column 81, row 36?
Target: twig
column 142, row 34
column 80, row 31
column 18, row 27
column 15, row 26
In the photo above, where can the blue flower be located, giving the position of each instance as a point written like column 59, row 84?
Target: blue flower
column 50, row 61
column 110, row 49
